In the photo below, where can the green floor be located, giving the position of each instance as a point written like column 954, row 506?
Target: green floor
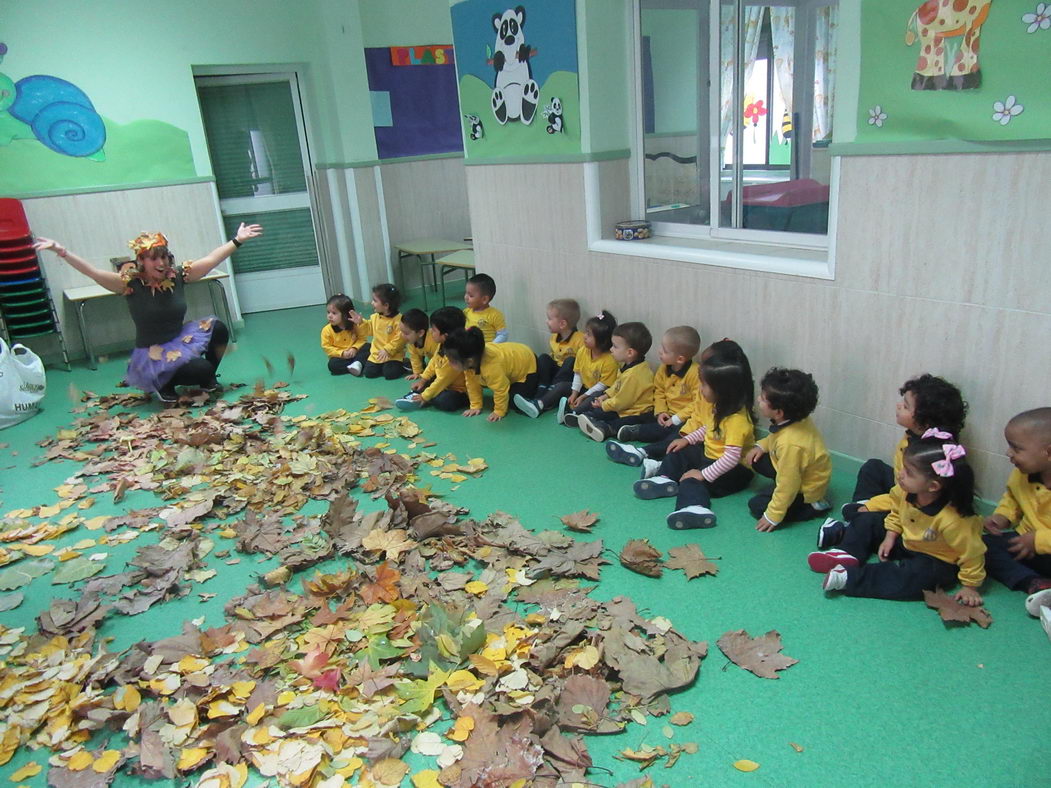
column 883, row 694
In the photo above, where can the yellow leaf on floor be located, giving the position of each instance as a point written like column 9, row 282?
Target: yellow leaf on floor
column 745, row 765
column 106, row 761
column 428, row 778
column 190, row 757
column 31, row 769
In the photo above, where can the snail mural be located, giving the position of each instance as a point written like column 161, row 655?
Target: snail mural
column 57, row 113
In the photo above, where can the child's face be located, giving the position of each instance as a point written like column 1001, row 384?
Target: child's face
column 556, row 324
column 914, row 481
column 334, row 317
column 437, row 335
column 378, row 306
column 669, row 356
column 589, row 339
column 620, row 351
column 475, row 298
column 411, row 337
column 1026, row 450
column 707, row 392
column 767, row 411
column 905, row 412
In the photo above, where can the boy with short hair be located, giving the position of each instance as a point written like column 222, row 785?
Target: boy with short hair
column 1021, row 559
column 479, row 291
column 676, row 387
column 439, row 384
column 566, row 342
column 793, row 454
column 630, row 399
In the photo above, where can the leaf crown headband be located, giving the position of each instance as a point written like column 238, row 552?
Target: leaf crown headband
column 143, row 242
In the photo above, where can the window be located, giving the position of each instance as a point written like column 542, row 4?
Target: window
column 735, row 120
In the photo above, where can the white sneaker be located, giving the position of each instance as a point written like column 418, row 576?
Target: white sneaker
column 1035, row 602
column 649, row 468
column 560, row 414
column 1045, row 620
column 529, row 407
column 625, row 453
column 591, row 429
column 655, row 487
column 836, row 579
column 691, row 517
column 354, row 368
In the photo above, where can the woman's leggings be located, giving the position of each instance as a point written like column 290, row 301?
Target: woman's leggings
column 201, row 371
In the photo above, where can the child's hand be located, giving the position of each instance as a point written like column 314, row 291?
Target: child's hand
column 750, row 459
column 420, row 384
column 677, row 445
column 413, row 376
column 382, row 356
column 968, row 596
column 887, row 545
column 494, row 416
column 764, row 525
column 1023, row 546
column 472, row 412
column 664, row 419
column 996, row 524
column 356, row 318
column 350, row 352
column 574, row 398
column 597, row 402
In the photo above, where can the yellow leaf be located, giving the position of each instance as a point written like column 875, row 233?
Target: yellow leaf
column 256, row 714
column 585, row 657
column 96, row 522
column 222, row 708
column 389, row 771
column 796, row 747
column 80, row 761
column 191, row 664
column 228, row 533
column 242, row 689
column 463, row 680
column 428, row 778
column 476, row 587
column 352, row 765
column 31, row 769
column 457, row 477
column 190, row 757
column 461, row 729
column 285, row 698
column 183, row 713
column 127, row 698
column 260, row 736
column 106, row 761
column 744, row 765
column 34, row 550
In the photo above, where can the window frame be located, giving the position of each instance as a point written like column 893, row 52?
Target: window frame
column 757, row 250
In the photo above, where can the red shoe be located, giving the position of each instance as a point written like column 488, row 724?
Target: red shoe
column 827, row 561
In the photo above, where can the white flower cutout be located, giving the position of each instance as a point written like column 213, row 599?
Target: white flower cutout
column 1040, row 19
column 877, row 116
column 1005, row 110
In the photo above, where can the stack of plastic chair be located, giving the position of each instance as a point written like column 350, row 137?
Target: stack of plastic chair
column 26, row 308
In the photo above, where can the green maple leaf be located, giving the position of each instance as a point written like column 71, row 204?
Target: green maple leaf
column 419, row 695
column 379, row 648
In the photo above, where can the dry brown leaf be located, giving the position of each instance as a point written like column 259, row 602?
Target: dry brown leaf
column 681, row 718
column 156, row 352
column 761, row 655
column 690, row 560
column 640, row 556
column 581, row 521
column 955, row 612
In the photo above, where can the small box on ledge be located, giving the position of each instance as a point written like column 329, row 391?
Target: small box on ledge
column 633, row 230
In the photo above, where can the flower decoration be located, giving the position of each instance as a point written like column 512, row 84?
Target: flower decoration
column 1040, row 19
column 877, row 116
column 1004, row 110
column 754, row 111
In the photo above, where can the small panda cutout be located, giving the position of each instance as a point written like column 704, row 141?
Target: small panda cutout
column 515, row 92
column 553, row 116
column 477, row 131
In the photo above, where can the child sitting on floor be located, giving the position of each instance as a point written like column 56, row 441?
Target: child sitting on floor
column 594, row 371
column 630, row 399
column 793, row 454
column 705, row 462
column 507, row 369
column 1022, row 560
column 419, row 343
column 479, row 291
column 439, row 384
column 341, row 338
column 566, row 342
column 386, row 353
column 932, row 539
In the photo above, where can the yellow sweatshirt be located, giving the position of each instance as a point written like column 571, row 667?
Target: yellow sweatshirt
column 563, row 349
column 386, row 335
column 632, row 392
column 442, row 376
column 502, row 365
column 674, row 392
column 940, row 531
column 891, row 499
column 798, row 454
column 334, row 342
column 1027, row 505
column 595, row 370
column 490, row 320
column 417, row 353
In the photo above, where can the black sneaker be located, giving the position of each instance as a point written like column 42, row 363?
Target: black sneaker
column 168, row 395
column 830, row 534
column 212, row 387
column 627, row 433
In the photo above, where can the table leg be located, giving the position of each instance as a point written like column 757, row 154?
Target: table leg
column 85, row 337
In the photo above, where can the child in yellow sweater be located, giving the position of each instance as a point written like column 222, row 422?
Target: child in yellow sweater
column 386, row 353
column 630, row 399
column 507, row 369
column 439, row 385
column 420, row 345
column 341, row 338
column 479, row 291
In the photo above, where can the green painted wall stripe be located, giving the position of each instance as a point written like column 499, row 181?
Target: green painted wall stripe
column 352, row 165
column 123, row 187
column 936, row 146
column 569, row 158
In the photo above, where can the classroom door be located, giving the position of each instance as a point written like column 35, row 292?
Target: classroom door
column 258, row 145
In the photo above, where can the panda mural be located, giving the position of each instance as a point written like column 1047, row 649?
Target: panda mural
column 515, row 93
column 553, row 115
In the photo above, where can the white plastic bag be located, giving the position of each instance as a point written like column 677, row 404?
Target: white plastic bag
column 22, row 383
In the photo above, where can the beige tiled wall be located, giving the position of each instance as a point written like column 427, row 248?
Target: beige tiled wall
column 942, row 266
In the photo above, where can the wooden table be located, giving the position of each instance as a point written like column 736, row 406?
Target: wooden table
column 80, row 296
column 462, row 260
column 427, row 250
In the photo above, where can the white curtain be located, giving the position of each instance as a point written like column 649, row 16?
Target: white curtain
column 783, row 35
column 753, row 17
column 825, row 70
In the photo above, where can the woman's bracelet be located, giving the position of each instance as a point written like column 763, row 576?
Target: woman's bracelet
column 235, row 242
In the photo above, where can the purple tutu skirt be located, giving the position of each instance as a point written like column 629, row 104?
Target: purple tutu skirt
column 150, row 368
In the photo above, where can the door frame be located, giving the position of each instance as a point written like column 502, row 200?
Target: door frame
column 293, row 73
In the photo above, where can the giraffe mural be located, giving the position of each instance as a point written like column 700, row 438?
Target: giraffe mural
column 948, row 32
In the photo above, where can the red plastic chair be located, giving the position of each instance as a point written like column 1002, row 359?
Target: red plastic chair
column 13, row 222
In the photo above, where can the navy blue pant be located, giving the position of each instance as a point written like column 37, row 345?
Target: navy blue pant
column 875, row 477
column 798, row 511
column 450, row 400
column 527, row 388
column 609, row 421
column 549, row 371
column 697, row 492
column 905, row 575
column 1002, row 564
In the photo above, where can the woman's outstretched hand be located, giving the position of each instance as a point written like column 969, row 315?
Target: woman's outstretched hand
column 40, row 244
column 248, row 231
